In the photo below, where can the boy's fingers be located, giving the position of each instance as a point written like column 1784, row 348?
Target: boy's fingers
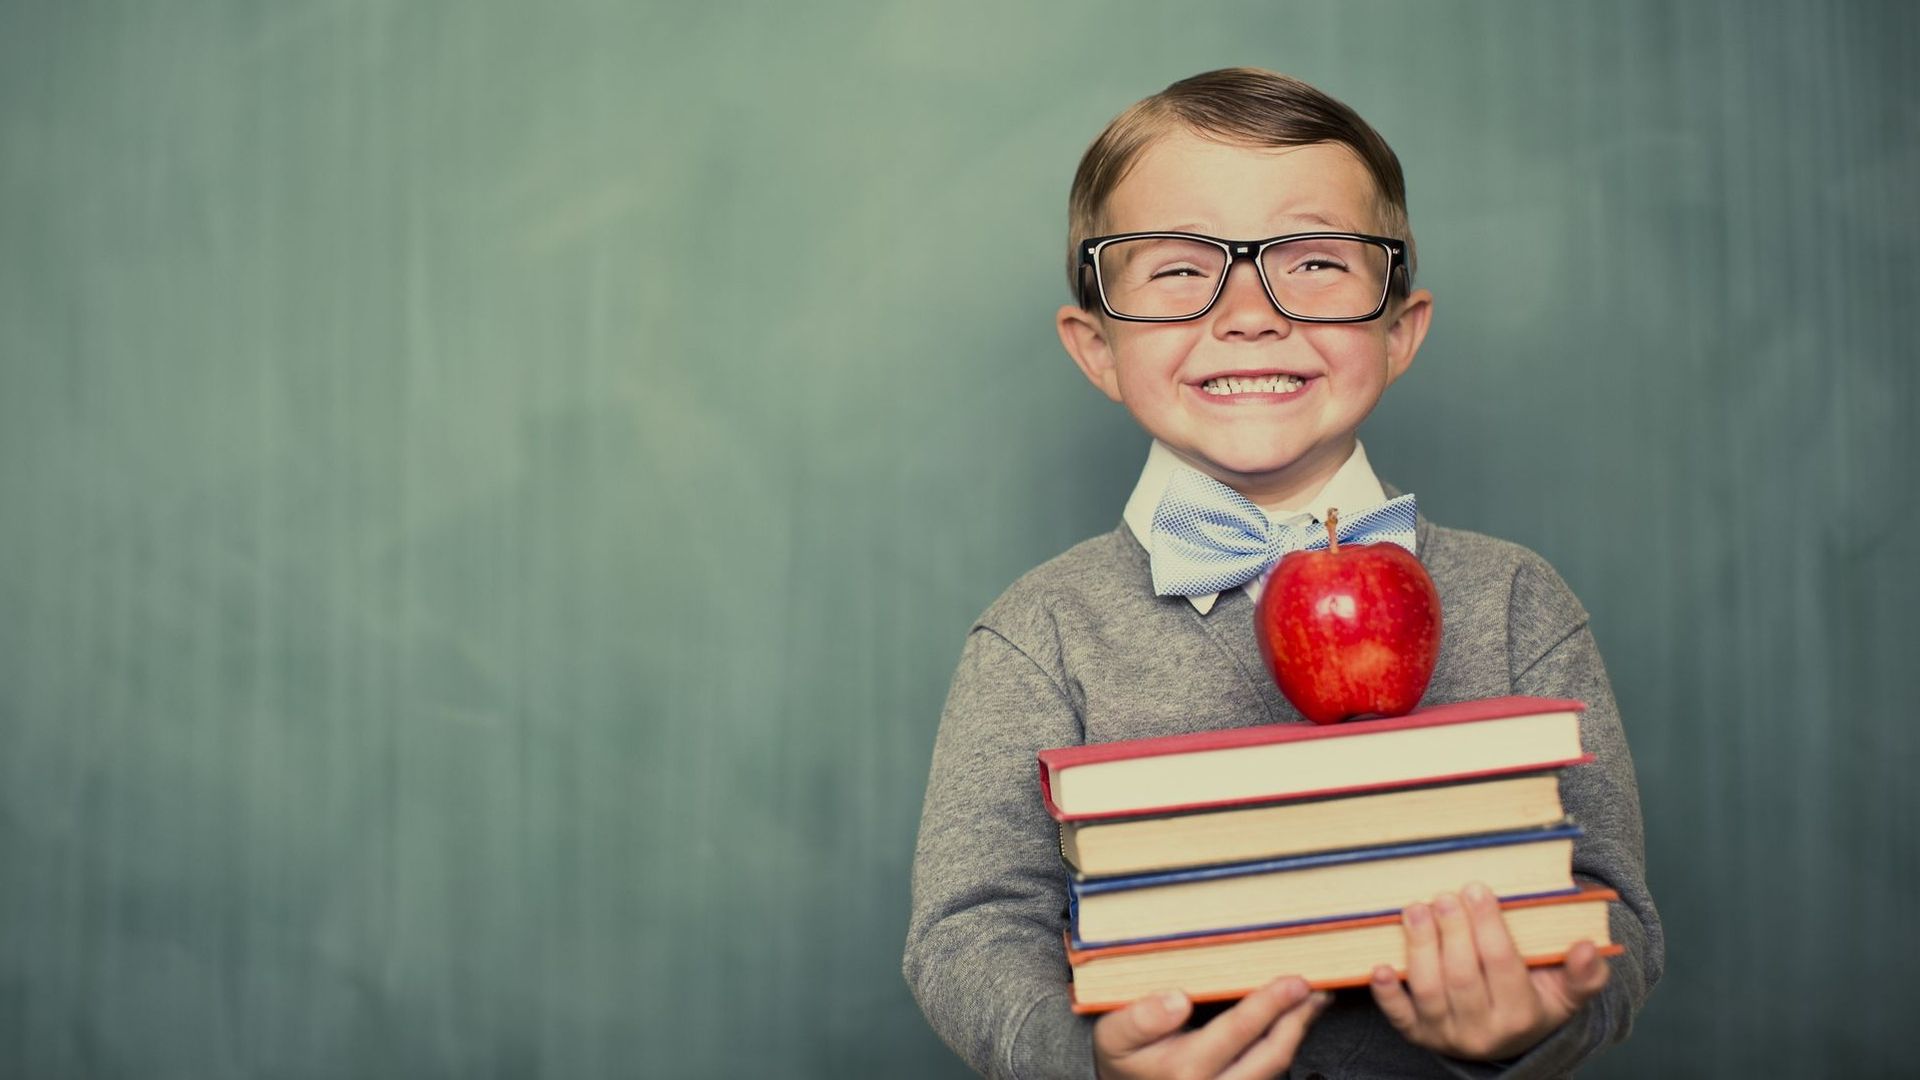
column 1270, row 1056
column 1393, row 1000
column 1587, row 972
column 1143, row 1023
column 1506, row 972
column 1467, row 996
column 1566, row 986
column 1228, row 1035
column 1424, row 982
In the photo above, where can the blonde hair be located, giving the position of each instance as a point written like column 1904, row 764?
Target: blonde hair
column 1243, row 105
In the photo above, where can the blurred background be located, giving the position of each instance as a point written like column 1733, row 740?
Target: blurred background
column 491, row 494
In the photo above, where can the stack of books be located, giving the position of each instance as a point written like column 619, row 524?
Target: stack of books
column 1213, row 862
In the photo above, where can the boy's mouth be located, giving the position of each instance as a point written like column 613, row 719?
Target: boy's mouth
column 1271, row 383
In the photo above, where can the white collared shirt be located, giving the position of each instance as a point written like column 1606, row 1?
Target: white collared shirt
column 1354, row 485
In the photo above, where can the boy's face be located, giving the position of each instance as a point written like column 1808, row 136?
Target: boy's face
column 1274, row 448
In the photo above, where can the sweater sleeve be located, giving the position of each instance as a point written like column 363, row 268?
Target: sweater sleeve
column 984, row 955
column 1553, row 653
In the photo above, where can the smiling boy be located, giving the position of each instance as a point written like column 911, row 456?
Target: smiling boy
column 1243, row 263
column 1277, row 449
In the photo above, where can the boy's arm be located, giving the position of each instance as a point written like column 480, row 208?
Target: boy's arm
column 984, row 955
column 1554, row 655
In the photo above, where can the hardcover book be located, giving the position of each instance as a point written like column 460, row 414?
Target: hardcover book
column 1105, row 847
column 1214, row 769
column 1329, row 955
column 1310, row 888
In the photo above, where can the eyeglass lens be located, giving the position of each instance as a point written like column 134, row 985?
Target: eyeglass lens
column 1161, row 277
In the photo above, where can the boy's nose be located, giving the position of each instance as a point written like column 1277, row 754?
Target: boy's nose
column 1244, row 307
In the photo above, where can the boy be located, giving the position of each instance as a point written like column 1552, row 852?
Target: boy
column 1253, row 381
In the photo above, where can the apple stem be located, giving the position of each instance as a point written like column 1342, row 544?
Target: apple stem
column 1333, row 529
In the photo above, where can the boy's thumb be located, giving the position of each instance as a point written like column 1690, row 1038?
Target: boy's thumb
column 1146, row 1021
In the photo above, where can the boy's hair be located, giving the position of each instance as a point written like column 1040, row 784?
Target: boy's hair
column 1242, row 105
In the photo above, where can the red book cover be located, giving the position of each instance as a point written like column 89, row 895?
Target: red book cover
column 1066, row 757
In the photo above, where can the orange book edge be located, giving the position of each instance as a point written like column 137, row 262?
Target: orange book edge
column 1076, row 956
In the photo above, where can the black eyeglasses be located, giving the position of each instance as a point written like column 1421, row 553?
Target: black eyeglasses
column 1172, row 276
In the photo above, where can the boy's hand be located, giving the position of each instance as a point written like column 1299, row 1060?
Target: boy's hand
column 1254, row 1039
column 1472, row 995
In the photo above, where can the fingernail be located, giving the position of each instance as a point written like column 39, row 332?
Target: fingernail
column 1172, row 1001
column 1382, row 974
column 1477, row 894
column 1321, row 998
column 1417, row 915
column 1290, row 989
column 1447, row 903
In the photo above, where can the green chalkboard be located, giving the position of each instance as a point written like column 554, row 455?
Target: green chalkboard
column 491, row 494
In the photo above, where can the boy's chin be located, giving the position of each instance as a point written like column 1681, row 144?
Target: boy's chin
column 1255, row 466
column 1262, row 459
column 1267, row 469
column 1256, row 478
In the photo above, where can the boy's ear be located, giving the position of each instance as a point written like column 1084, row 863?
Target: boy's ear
column 1084, row 337
column 1407, row 331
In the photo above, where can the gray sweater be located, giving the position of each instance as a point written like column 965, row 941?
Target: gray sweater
column 1080, row 650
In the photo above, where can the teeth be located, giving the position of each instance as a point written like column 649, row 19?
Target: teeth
column 1269, row 384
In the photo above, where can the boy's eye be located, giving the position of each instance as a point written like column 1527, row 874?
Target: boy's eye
column 1323, row 260
column 1161, row 261
column 1313, row 263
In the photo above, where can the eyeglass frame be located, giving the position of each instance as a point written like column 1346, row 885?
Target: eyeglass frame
column 1236, row 250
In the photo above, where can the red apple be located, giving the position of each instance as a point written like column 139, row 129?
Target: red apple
column 1350, row 631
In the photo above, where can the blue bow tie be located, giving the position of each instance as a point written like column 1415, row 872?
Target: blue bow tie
column 1208, row 538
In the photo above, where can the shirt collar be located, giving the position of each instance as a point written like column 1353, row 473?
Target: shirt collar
column 1354, row 485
